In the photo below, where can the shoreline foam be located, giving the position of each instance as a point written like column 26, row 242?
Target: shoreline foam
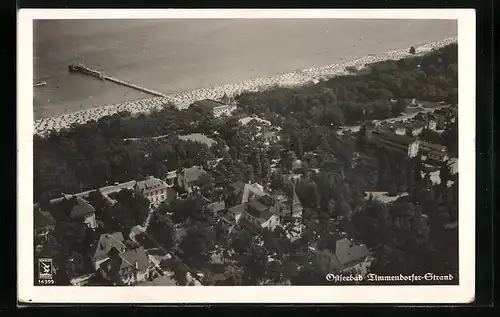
column 184, row 99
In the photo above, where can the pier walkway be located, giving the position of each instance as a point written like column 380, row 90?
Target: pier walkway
column 79, row 68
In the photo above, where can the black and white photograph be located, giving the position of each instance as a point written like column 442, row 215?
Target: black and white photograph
column 185, row 150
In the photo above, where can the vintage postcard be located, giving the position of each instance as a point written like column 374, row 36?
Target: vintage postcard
column 296, row 156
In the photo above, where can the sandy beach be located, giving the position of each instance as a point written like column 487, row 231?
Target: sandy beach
column 184, row 99
column 171, row 56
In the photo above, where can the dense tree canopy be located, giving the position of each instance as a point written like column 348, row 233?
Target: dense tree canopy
column 337, row 169
column 91, row 155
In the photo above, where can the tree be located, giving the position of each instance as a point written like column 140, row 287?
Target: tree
column 309, row 275
column 182, row 210
column 255, row 264
column 242, row 242
column 347, row 193
column 136, row 206
column 417, row 171
column 398, row 108
column 345, row 210
column 198, row 242
column 98, row 201
column 118, row 218
column 430, row 136
column 315, row 198
column 275, row 273
column 233, row 276
column 332, row 207
column 70, row 235
column 266, row 169
column 412, row 50
column 206, row 183
column 162, row 229
column 444, row 174
column 180, row 273
column 308, row 193
column 306, row 170
column 450, row 137
column 61, row 210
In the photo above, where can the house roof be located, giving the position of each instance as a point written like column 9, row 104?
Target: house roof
column 264, row 216
column 257, row 205
column 259, row 211
column 254, row 189
column 399, row 126
column 82, row 208
column 238, row 185
column 198, row 137
column 432, row 146
column 136, row 258
column 108, row 241
column 296, row 204
column 216, row 206
column 441, row 111
column 163, row 280
column 238, row 209
column 172, row 174
column 246, row 120
column 208, row 104
column 268, row 135
column 228, row 217
column 192, row 174
column 347, row 251
column 171, row 195
column 150, row 183
column 225, row 99
column 389, row 136
column 296, row 164
column 279, row 197
column 369, row 124
column 43, row 219
column 416, row 125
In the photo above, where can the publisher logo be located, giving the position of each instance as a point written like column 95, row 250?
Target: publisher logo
column 45, row 269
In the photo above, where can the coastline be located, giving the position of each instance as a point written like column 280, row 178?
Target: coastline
column 184, row 99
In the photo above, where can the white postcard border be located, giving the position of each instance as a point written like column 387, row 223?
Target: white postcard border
column 28, row 293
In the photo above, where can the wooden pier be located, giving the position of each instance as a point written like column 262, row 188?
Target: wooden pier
column 79, row 68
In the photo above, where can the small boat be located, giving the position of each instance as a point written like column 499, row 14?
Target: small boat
column 40, row 83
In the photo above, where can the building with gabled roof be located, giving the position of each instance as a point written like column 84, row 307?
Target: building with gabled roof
column 416, row 128
column 261, row 210
column 344, row 256
column 403, row 144
column 154, row 189
column 296, row 207
column 106, row 243
column 127, row 268
column 198, row 137
column 250, row 190
column 399, row 128
column 429, row 119
column 434, row 152
column 442, row 118
column 83, row 211
column 187, row 177
column 215, row 207
column 432, row 146
column 247, row 120
column 43, row 222
column 217, row 108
